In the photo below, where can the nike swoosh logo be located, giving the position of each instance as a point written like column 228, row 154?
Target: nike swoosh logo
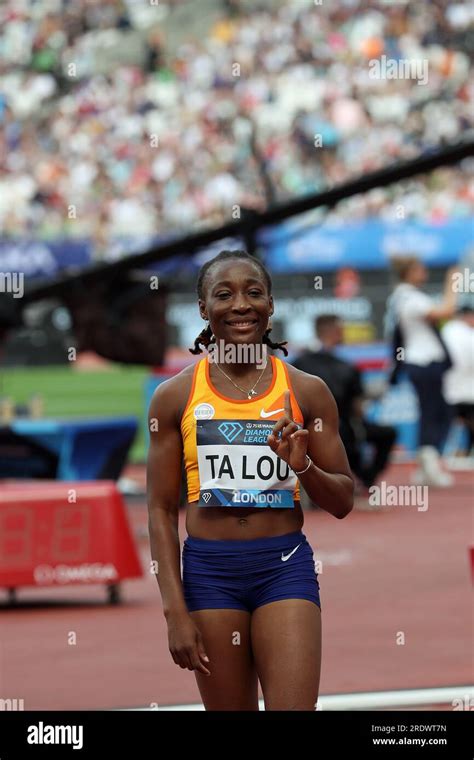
column 264, row 414
column 283, row 558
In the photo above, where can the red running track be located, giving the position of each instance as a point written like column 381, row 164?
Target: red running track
column 386, row 572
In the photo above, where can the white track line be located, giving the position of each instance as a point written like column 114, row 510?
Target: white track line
column 373, row 700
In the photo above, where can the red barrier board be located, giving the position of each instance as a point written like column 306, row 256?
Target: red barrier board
column 62, row 533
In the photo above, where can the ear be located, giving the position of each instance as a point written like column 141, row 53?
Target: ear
column 272, row 306
column 202, row 309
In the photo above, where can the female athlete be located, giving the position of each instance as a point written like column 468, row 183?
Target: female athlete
column 247, row 427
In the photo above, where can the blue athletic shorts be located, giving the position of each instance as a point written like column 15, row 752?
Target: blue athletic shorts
column 243, row 575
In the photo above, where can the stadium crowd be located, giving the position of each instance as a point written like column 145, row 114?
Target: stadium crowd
column 106, row 130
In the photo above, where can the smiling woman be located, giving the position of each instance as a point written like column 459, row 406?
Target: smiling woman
column 247, row 565
column 222, row 292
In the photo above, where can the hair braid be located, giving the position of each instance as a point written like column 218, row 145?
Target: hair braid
column 271, row 344
column 204, row 338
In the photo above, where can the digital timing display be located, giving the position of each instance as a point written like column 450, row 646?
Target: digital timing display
column 59, row 534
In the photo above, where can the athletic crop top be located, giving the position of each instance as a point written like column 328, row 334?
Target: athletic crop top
column 227, row 458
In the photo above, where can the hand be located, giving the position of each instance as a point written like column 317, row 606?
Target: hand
column 186, row 644
column 293, row 443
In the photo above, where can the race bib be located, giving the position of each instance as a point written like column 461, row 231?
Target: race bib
column 237, row 467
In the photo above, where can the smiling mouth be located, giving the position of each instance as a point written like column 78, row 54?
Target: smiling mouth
column 243, row 323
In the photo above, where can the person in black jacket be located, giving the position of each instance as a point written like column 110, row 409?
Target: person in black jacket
column 344, row 382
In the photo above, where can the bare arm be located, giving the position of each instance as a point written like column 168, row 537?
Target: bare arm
column 447, row 307
column 163, row 488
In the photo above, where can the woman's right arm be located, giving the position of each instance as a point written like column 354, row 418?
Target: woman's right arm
column 447, row 308
column 163, row 492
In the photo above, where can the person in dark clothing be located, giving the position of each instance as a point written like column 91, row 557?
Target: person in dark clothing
column 344, row 382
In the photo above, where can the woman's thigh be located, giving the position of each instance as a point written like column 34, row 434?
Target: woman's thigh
column 286, row 645
column 233, row 683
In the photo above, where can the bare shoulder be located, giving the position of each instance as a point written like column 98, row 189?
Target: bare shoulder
column 311, row 391
column 171, row 396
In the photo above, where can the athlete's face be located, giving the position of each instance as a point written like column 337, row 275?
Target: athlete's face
column 236, row 302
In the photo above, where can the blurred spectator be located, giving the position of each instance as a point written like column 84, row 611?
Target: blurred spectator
column 458, row 382
column 411, row 319
column 175, row 137
column 344, row 381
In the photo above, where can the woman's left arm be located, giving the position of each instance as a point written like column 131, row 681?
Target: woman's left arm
column 328, row 480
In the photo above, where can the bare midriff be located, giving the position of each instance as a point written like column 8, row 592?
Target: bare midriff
column 227, row 523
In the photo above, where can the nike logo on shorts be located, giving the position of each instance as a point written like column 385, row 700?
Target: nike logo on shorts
column 284, row 558
column 264, row 414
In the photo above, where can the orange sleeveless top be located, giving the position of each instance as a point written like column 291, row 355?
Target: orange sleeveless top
column 227, row 458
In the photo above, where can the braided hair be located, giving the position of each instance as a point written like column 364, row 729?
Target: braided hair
column 205, row 337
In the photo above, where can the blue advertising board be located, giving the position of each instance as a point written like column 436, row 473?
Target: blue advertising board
column 367, row 244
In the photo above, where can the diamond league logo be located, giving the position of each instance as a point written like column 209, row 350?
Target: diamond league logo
column 230, row 430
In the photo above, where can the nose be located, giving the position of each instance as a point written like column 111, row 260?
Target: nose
column 240, row 304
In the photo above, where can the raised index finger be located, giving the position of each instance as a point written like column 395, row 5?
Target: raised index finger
column 287, row 405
